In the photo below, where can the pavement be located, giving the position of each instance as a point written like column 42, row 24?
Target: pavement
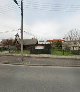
column 39, row 79
column 54, row 56
column 42, row 55
column 39, row 60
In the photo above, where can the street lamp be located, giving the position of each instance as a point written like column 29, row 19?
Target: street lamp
column 21, row 27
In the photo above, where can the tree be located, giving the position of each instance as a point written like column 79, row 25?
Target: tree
column 17, row 41
column 72, row 35
column 57, row 45
column 7, row 43
column 72, row 38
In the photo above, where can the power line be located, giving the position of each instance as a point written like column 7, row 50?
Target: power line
column 52, row 7
column 46, row 7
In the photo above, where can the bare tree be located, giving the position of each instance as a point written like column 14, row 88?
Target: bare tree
column 72, row 35
column 7, row 42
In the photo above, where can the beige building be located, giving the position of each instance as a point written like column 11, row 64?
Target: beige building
column 71, row 45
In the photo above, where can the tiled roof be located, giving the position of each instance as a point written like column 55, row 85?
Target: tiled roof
column 55, row 40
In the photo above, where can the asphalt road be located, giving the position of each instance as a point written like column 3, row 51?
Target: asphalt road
column 39, row 79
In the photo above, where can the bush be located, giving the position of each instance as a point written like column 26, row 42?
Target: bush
column 76, row 52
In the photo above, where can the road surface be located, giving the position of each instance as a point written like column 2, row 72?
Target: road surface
column 39, row 79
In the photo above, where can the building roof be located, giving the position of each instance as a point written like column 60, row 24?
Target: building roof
column 55, row 40
column 29, row 41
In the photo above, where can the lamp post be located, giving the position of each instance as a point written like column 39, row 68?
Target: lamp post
column 21, row 27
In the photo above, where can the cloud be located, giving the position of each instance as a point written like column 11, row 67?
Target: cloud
column 3, row 2
column 72, row 22
column 45, row 29
column 51, row 30
column 41, row 30
column 8, row 25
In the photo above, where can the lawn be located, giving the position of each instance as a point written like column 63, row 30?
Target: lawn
column 53, row 52
column 61, row 52
column 24, row 52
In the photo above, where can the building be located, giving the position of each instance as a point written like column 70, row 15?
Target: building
column 35, row 46
column 42, row 47
column 71, row 45
column 55, row 40
column 56, row 43
column 27, row 43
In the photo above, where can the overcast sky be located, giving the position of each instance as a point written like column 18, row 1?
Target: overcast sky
column 44, row 19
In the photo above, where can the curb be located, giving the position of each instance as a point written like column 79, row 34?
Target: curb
column 53, row 56
column 44, row 56
column 19, row 64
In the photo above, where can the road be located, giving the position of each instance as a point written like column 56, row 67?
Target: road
column 39, row 79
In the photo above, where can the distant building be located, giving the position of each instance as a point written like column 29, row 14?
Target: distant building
column 1, row 46
column 56, row 43
column 55, row 40
column 35, row 46
column 27, row 43
column 71, row 45
column 42, row 47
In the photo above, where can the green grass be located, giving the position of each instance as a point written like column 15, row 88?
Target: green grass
column 60, row 52
column 24, row 52
column 53, row 52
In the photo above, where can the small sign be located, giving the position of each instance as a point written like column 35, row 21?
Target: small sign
column 39, row 47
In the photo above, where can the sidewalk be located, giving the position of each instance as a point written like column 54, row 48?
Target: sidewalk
column 54, row 56
column 41, row 60
column 43, row 56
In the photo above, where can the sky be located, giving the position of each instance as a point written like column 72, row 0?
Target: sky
column 43, row 19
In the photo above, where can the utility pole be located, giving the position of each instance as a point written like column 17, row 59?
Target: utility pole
column 21, row 27
column 22, row 30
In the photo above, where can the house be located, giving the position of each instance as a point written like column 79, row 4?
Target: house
column 56, row 43
column 71, row 45
column 55, row 40
column 42, row 47
column 35, row 46
column 27, row 43
column 1, row 46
